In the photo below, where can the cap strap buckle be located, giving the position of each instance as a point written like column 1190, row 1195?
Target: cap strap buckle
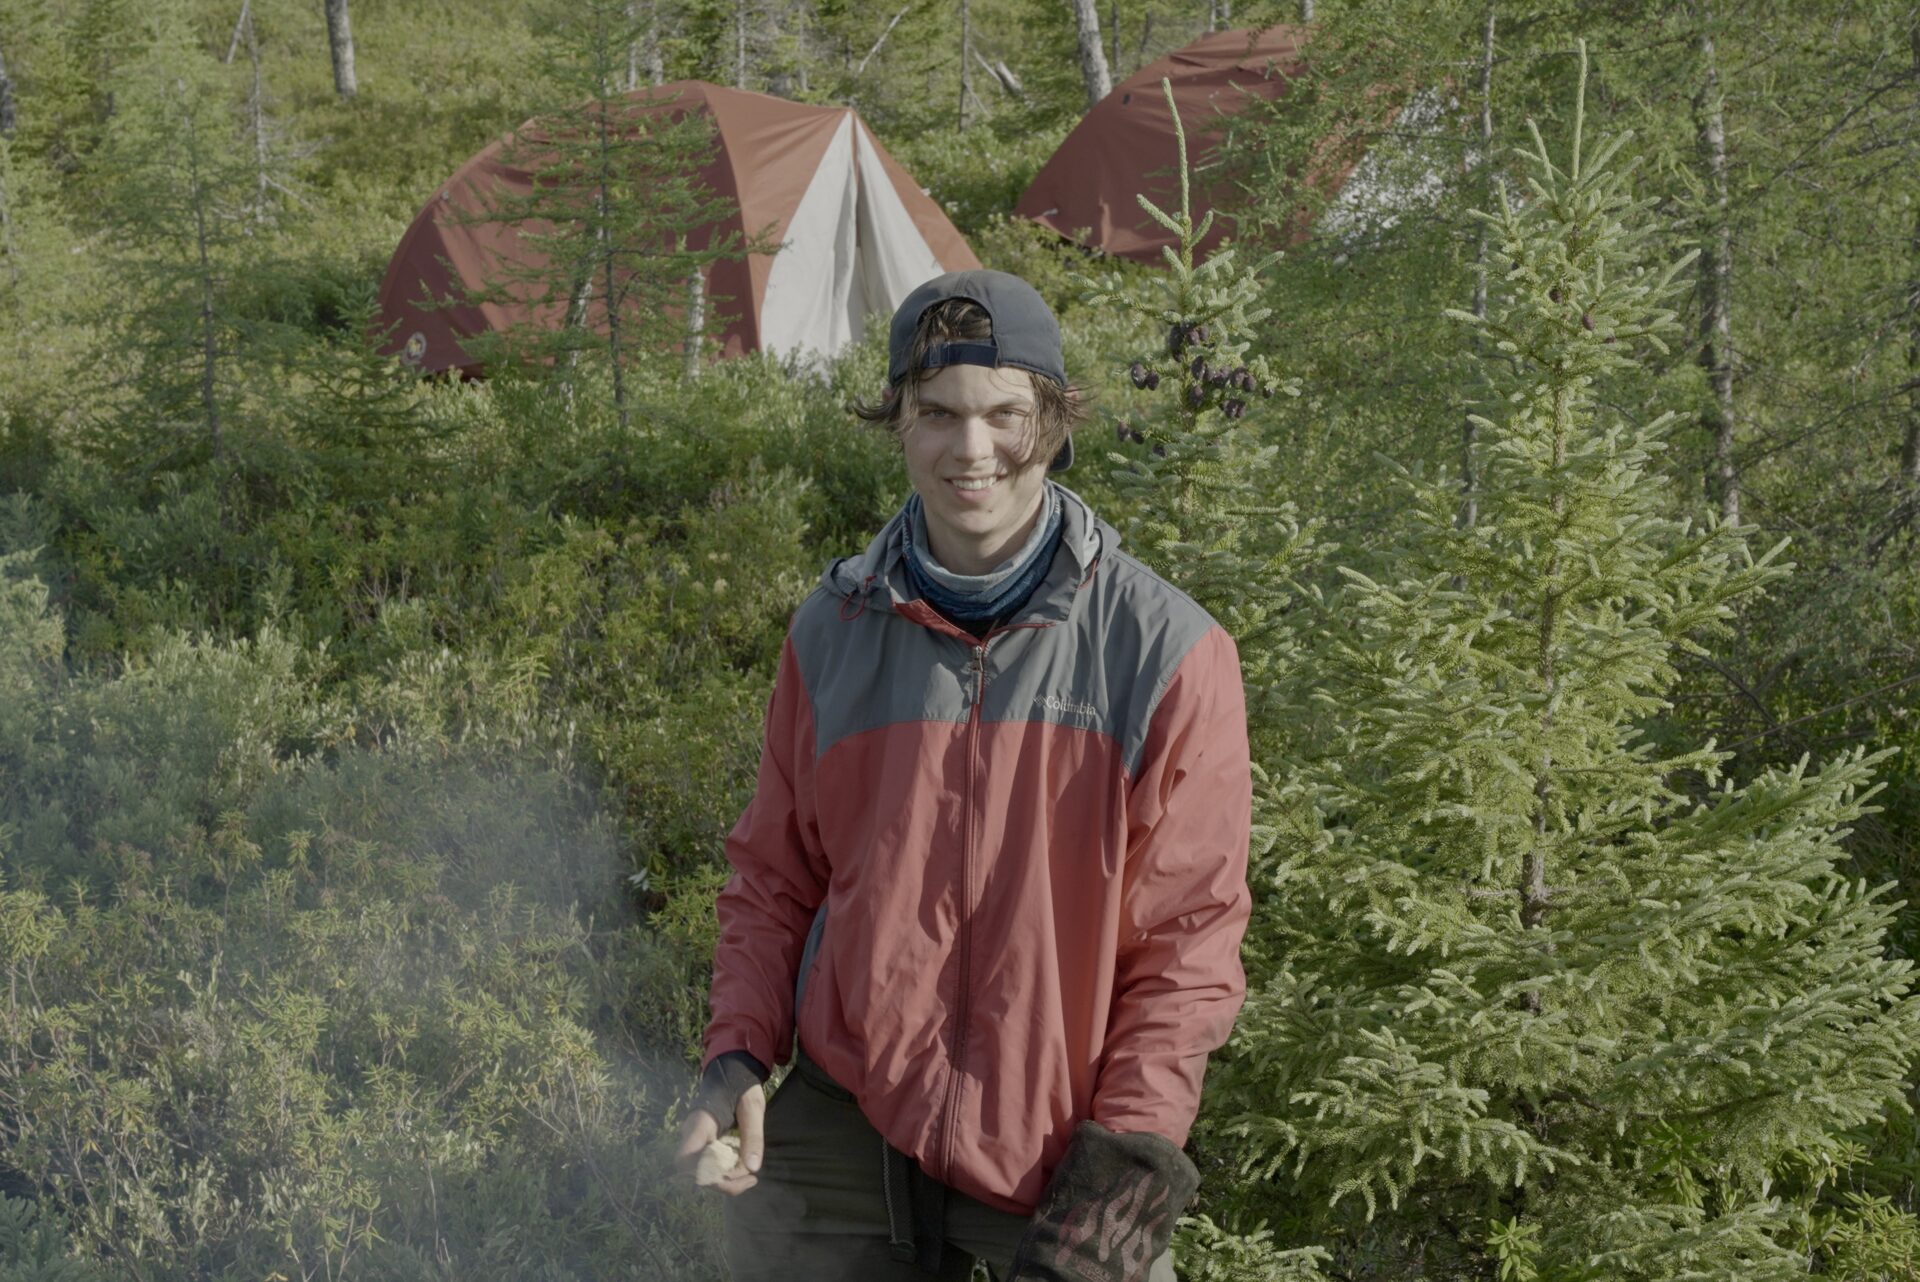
column 943, row 354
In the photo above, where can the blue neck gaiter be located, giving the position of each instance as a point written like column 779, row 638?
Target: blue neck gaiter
column 979, row 598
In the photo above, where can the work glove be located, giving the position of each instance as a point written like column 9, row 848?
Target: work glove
column 1109, row 1210
column 726, row 1078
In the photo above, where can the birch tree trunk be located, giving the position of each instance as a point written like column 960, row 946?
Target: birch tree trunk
column 696, row 319
column 340, row 45
column 1306, row 11
column 1716, row 279
column 1093, row 58
column 1469, row 477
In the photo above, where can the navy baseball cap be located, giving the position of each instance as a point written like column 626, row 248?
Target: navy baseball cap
column 1025, row 334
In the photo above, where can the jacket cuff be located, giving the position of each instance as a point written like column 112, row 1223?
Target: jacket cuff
column 1109, row 1210
column 727, row 1077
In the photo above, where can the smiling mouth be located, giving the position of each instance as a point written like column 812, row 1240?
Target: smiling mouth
column 973, row 483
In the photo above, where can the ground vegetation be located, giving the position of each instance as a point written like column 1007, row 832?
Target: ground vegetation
column 367, row 743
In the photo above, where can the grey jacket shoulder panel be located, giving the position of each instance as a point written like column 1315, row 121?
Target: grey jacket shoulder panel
column 1094, row 651
column 1148, row 627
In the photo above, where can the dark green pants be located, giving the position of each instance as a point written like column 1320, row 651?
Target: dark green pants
column 820, row 1212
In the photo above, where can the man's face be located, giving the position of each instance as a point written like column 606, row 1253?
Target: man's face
column 968, row 453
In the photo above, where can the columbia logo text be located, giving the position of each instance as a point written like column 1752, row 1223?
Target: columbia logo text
column 1058, row 704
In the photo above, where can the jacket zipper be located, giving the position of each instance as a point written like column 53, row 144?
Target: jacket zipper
column 965, row 946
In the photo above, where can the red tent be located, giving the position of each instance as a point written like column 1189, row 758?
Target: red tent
column 1125, row 146
column 856, row 234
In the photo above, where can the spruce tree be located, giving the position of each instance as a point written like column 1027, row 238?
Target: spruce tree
column 1545, row 1003
column 1195, row 502
column 1195, row 499
column 178, row 188
column 616, row 216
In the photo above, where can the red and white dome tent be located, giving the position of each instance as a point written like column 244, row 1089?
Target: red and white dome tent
column 855, row 235
column 1124, row 147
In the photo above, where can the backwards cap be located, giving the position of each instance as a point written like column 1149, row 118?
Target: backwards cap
column 1025, row 334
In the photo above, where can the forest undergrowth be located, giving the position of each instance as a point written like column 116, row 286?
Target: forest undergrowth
column 367, row 743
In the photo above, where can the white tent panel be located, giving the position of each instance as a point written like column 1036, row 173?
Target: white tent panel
column 813, row 305
column 894, row 256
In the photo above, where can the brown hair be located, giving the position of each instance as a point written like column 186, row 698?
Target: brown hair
column 1057, row 410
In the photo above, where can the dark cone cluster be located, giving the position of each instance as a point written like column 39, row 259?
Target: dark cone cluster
column 1230, row 386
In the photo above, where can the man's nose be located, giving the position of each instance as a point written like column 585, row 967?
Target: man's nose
column 974, row 439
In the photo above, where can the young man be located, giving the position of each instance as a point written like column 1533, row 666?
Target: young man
column 994, row 872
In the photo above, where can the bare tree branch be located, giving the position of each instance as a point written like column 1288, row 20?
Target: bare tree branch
column 891, row 24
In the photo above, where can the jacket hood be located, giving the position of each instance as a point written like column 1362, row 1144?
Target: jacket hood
column 879, row 573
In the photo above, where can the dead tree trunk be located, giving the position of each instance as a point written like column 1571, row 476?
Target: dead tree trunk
column 656, row 61
column 8, row 253
column 739, row 44
column 1003, row 76
column 7, row 121
column 633, row 46
column 966, row 60
column 1093, row 58
column 257, row 127
column 1716, row 280
column 1469, row 478
column 1910, row 447
column 340, row 44
column 241, row 24
column 209, row 332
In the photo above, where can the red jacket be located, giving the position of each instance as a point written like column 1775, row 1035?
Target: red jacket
column 1031, row 852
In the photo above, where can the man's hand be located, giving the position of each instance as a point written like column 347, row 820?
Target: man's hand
column 1108, row 1210
column 700, row 1129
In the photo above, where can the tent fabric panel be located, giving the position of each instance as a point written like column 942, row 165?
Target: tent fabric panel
column 807, row 309
column 936, row 229
column 894, row 258
column 770, row 148
column 446, row 256
column 1125, row 147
